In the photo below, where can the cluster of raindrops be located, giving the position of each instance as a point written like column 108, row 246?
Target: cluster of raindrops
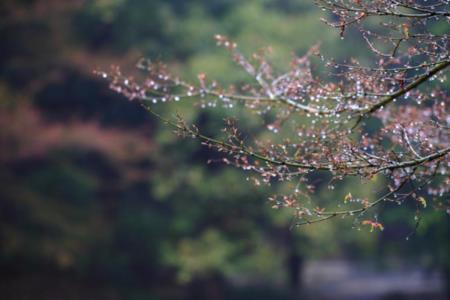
column 318, row 124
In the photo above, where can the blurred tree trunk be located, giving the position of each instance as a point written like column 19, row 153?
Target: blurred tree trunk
column 294, row 268
column 294, row 265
